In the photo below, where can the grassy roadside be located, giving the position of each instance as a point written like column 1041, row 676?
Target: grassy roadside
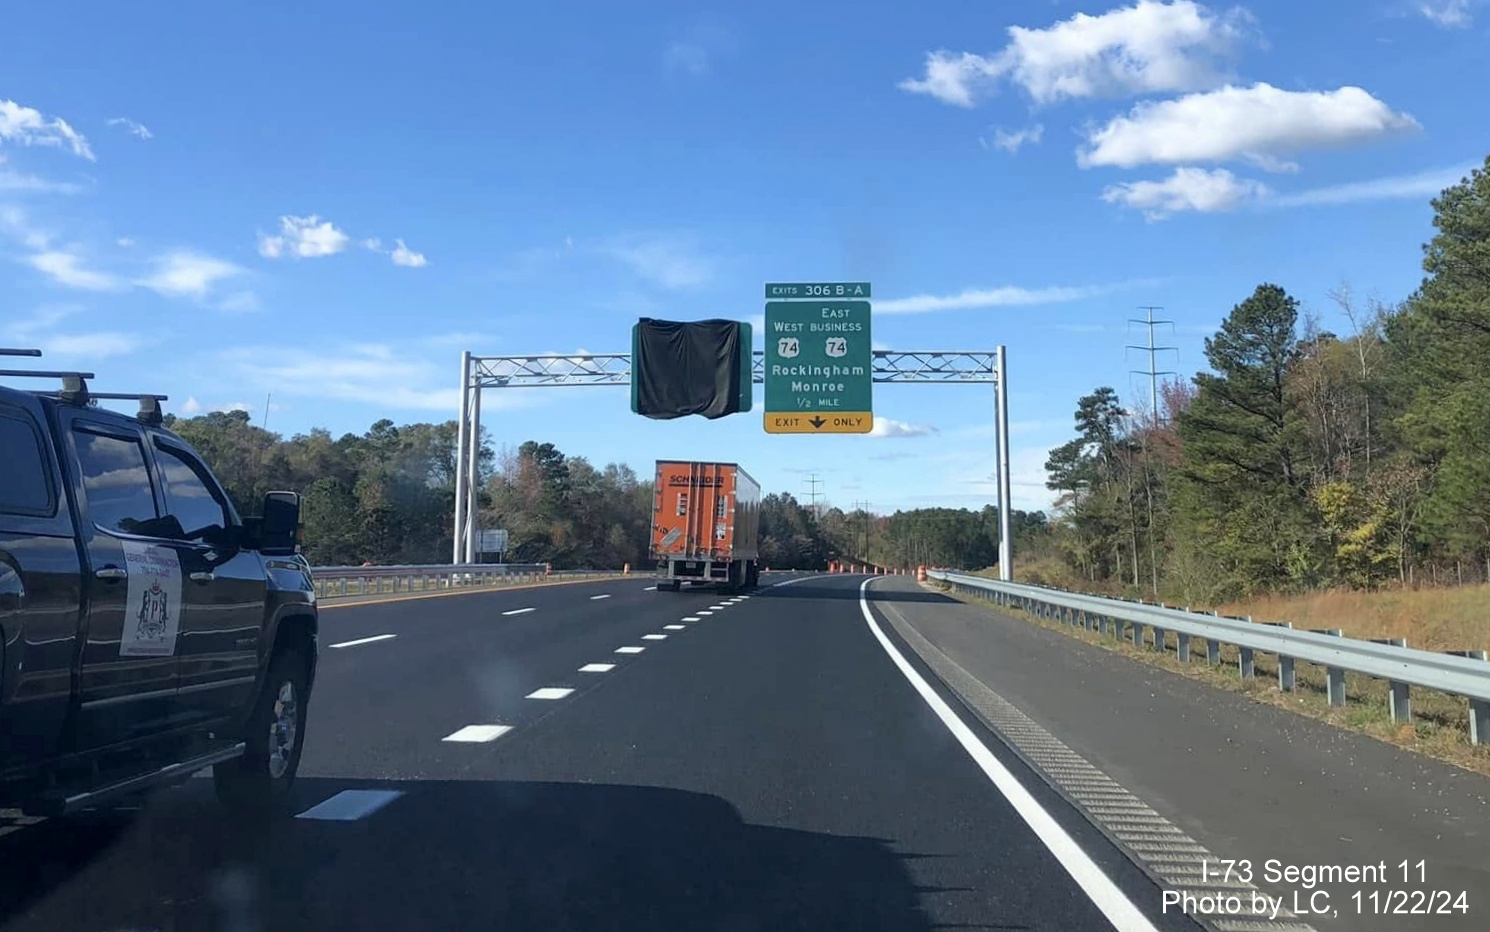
column 1440, row 727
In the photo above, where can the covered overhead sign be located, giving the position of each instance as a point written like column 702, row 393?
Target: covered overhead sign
column 680, row 368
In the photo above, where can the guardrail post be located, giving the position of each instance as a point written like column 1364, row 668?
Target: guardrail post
column 1212, row 652
column 1182, row 647
column 1161, row 638
column 1400, row 702
column 1479, row 721
column 1138, row 634
column 1244, row 663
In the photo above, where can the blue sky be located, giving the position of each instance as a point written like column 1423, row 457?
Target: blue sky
column 328, row 202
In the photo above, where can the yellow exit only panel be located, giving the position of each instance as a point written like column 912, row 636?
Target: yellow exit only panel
column 839, row 422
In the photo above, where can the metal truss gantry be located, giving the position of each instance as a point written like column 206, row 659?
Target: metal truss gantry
column 590, row 369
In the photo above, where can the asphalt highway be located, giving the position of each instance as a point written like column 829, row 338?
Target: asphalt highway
column 603, row 756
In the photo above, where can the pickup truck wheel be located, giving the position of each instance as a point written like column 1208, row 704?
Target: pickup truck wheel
column 258, row 783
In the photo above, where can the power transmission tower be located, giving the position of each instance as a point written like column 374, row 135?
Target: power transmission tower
column 864, row 506
column 814, row 481
column 1152, row 372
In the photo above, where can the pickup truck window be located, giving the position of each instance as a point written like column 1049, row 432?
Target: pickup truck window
column 117, row 482
column 188, row 497
column 25, row 484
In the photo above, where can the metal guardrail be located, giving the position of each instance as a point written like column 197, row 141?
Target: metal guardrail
column 334, row 581
column 1402, row 667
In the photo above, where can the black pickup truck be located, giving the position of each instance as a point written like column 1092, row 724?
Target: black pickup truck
column 147, row 632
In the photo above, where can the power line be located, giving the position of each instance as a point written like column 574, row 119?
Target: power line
column 1152, row 372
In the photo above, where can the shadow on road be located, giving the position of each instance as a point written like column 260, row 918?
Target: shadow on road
column 556, row 857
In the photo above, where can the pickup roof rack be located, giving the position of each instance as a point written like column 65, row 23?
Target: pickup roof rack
column 75, row 388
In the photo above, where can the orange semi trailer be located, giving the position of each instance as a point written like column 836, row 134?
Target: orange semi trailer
column 705, row 525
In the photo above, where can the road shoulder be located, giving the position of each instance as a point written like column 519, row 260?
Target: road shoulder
column 1240, row 779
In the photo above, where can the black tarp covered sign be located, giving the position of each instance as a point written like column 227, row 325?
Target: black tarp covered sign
column 699, row 367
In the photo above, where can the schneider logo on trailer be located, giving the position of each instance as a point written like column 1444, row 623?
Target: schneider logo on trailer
column 819, row 367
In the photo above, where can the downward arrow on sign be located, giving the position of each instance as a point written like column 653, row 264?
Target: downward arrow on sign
column 817, row 422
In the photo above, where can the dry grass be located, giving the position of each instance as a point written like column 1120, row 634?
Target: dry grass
column 1430, row 619
column 1440, row 727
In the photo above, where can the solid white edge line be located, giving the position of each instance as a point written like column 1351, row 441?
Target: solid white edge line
column 1099, row 888
column 378, row 637
column 519, row 611
column 594, row 597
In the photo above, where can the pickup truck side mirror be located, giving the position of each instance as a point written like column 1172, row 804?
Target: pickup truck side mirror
column 278, row 531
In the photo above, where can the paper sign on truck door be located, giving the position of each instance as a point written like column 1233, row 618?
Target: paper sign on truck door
column 152, row 610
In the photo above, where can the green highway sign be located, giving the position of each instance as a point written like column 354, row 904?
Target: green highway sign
column 819, row 367
column 785, row 291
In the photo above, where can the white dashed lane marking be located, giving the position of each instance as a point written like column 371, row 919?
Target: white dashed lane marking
column 629, row 650
column 706, row 613
column 715, row 608
column 478, row 734
column 691, row 618
column 350, row 805
column 673, row 627
column 519, row 611
column 550, row 692
column 650, row 589
column 654, row 637
column 594, row 597
column 378, row 637
column 597, row 668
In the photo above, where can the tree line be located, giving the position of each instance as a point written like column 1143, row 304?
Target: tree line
column 1303, row 458
column 387, row 497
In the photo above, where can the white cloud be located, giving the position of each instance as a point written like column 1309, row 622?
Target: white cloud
column 1011, row 142
column 1008, row 296
column 691, row 57
column 240, row 302
column 373, row 245
column 375, row 374
column 1451, row 14
column 188, row 274
column 27, row 127
column 1187, row 189
column 304, row 238
column 133, row 128
column 670, row 263
column 97, row 345
column 885, row 427
column 238, row 406
column 1426, row 184
column 404, row 256
column 12, row 181
column 1214, row 191
column 41, row 329
column 67, row 269
column 1260, row 123
column 124, row 242
column 1145, row 48
column 191, row 407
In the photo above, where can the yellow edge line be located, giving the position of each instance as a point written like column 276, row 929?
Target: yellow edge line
column 488, row 590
